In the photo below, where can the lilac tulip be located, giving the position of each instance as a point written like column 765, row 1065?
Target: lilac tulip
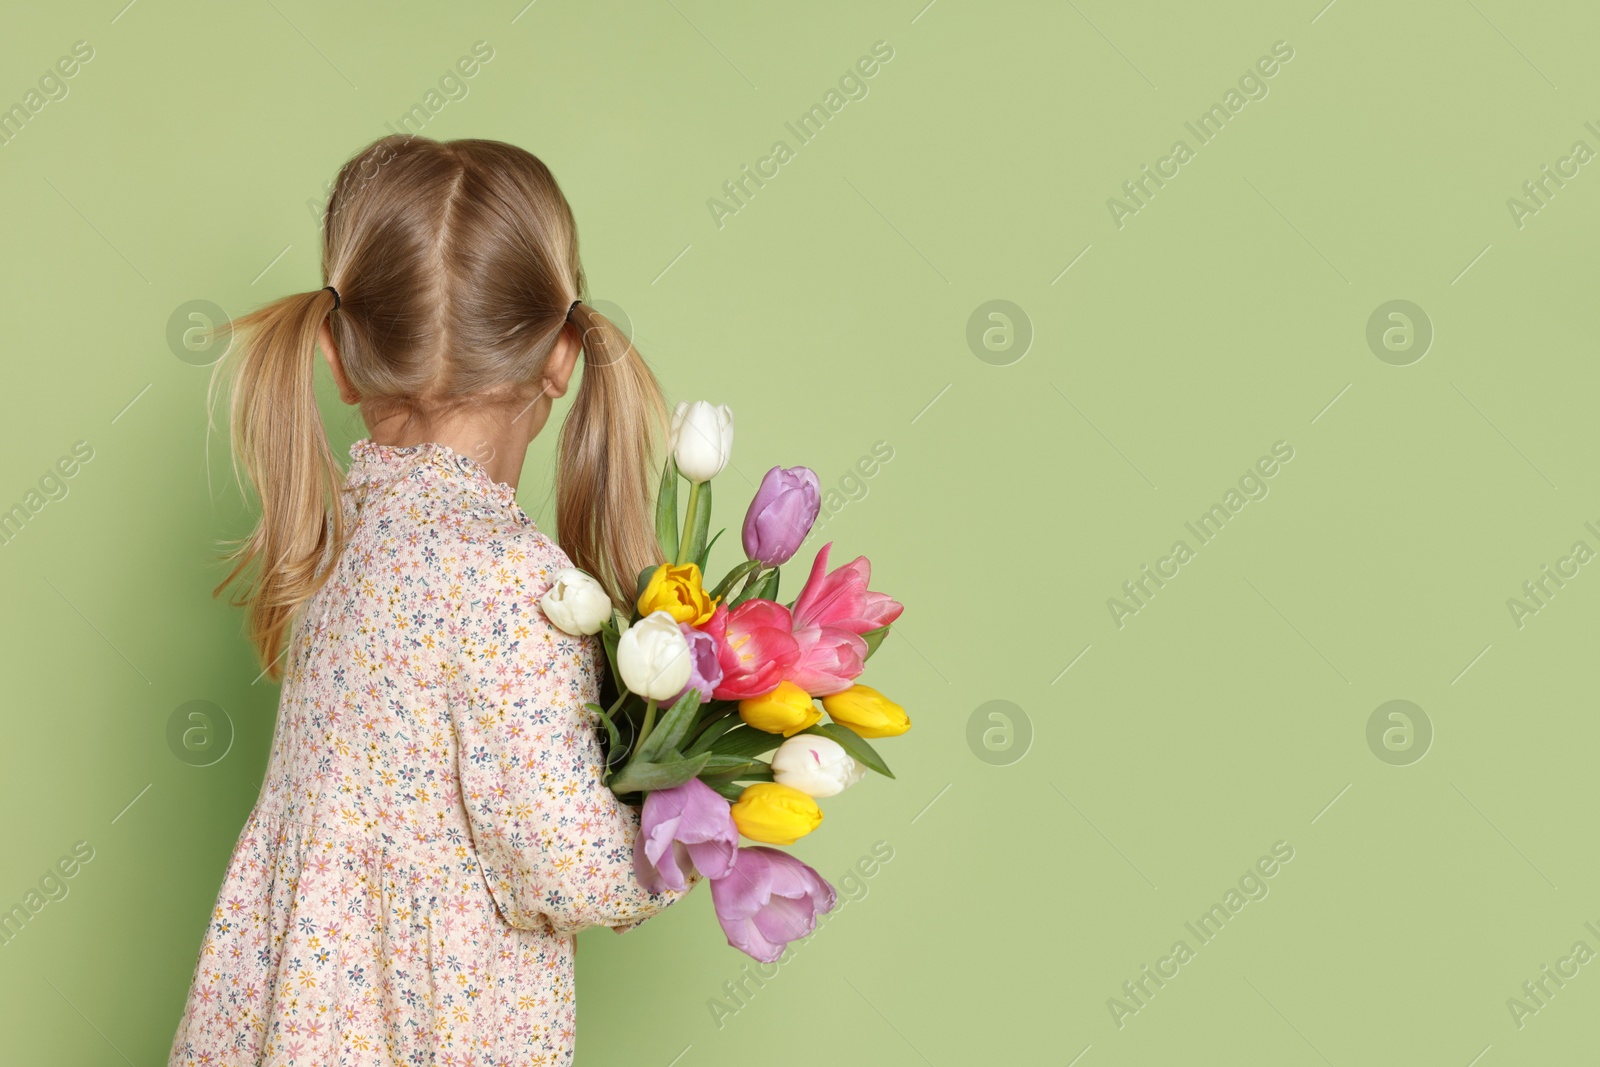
column 768, row 900
column 781, row 514
column 687, row 827
column 705, row 665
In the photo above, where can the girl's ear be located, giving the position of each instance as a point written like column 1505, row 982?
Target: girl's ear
column 330, row 351
column 562, row 361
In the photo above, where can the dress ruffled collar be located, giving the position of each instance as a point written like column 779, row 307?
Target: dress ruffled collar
column 370, row 462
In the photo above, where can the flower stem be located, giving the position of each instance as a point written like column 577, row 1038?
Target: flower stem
column 649, row 723
column 688, row 523
column 751, row 579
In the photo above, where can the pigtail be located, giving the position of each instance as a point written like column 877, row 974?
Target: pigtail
column 606, row 474
column 278, row 435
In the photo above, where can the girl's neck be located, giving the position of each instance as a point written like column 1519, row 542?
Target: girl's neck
column 499, row 442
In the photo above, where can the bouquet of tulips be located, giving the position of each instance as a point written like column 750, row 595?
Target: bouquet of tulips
column 715, row 725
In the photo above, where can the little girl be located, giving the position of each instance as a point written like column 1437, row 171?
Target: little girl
column 433, row 827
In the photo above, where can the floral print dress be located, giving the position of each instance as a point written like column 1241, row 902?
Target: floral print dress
column 433, row 827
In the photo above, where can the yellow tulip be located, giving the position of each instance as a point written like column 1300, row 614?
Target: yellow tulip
column 776, row 814
column 786, row 710
column 868, row 712
column 678, row 592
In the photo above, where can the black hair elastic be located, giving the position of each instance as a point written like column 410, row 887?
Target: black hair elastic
column 573, row 308
column 335, row 293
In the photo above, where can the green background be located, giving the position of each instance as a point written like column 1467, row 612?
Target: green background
column 831, row 312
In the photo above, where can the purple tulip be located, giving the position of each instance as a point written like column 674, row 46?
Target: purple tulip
column 781, row 514
column 768, row 900
column 705, row 666
column 686, row 827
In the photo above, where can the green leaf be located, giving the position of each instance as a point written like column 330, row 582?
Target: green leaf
column 729, row 789
column 874, row 638
column 628, row 718
column 644, row 580
column 696, row 524
column 710, row 734
column 671, row 728
column 733, row 576
column 639, row 776
column 853, row 744
column 751, row 771
column 748, row 771
column 765, row 588
column 745, row 741
column 730, row 767
column 612, row 735
column 667, row 510
column 609, row 639
column 723, row 773
column 705, row 554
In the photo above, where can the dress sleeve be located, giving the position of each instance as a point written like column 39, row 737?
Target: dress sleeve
column 555, row 844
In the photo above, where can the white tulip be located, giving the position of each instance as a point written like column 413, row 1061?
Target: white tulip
column 653, row 657
column 817, row 766
column 576, row 604
column 702, row 439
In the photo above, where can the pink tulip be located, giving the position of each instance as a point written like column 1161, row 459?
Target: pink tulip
column 818, row 646
column 768, row 900
column 830, row 660
column 756, row 646
column 842, row 599
column 830, row 614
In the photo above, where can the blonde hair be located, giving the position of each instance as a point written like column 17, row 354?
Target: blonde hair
column 455, row 264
